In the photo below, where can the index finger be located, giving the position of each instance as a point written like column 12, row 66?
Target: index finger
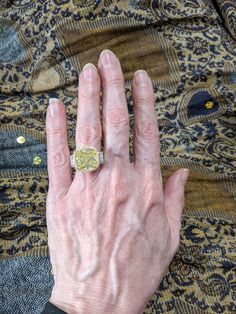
column 146, row 132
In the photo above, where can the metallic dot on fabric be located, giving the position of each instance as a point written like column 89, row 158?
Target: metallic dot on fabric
column 21, row 139
column 209, row 105
column 37, row 160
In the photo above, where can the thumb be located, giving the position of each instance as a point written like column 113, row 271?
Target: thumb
column 174, row 199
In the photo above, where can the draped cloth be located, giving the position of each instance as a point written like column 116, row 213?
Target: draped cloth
column 188, row 47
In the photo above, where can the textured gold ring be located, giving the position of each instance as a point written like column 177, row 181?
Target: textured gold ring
column 86, row 159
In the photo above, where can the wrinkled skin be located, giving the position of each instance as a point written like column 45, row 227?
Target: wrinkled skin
column 113, row 232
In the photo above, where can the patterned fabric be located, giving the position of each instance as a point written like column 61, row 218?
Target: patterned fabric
column 188, row 48
column 227, row 9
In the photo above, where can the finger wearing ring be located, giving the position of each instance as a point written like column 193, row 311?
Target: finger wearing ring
column 86, row 157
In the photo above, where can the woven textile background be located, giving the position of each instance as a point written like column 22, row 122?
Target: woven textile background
column 188, row 47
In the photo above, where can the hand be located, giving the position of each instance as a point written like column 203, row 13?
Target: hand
column 112, row 233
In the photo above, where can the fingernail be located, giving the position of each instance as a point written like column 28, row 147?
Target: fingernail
column 54, row 106
column 140, row 77
column 107, row 58
column 184, row 175
column 90, row 72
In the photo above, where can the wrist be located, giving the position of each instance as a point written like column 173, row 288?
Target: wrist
column 85, row 306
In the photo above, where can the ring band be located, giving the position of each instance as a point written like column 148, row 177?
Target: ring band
column 86, row 159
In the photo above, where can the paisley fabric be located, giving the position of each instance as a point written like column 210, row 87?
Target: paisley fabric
column 188, row 48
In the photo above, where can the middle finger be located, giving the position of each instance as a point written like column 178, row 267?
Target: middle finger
column 115, row 110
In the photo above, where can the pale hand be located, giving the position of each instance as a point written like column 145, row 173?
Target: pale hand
column 112, row 233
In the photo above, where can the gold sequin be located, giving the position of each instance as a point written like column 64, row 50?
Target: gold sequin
column 20, row 139
column 37, row 160
column 209, row 105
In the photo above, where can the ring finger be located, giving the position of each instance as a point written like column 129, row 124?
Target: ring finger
column 88, row 125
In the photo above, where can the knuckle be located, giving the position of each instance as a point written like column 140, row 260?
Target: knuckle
column 148, row 130
column 90, row 93
column 150, row 191
column 153, row 194
column 144, row 99
column 54, row 131
column 120, row 191
column 58, row 158
column 117, row 117
column 56, row 136
column 89, row 133
column 115, row 80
